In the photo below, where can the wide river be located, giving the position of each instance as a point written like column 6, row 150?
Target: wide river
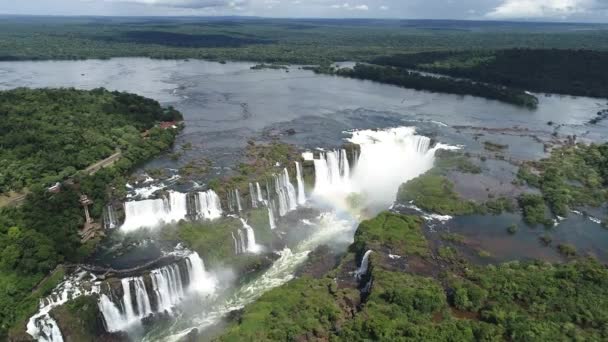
column 225, row 105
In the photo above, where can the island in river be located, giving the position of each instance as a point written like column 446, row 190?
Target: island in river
column 466, row 163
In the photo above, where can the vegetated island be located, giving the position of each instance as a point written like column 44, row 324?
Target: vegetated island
column 414, row 80
column 50, row 137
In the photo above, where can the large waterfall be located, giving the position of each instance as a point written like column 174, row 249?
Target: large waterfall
column 167, row 287
column 170, row 209
column 153, row 212
column 388, row 159
column 300, row 180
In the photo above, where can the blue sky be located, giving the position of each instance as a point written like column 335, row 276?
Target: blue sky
column 547, row 10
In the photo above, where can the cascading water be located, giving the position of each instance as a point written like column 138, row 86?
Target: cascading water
column 237, row 247
column 388, row 158
column 110, row 221
column 260, row 198
column 300, row 180
column 286, row 193
column 271, row 220
column 154, row 212
column 237, row 196
column 362, row 270
column 252, row 194
column 209, row 205
column 41, row 326
column 169, row 286
column 252, row 246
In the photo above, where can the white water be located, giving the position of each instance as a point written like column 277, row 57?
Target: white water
column 286, row 193
column 301, row 192
column 154, row 212
column 388, row 159
column 271, row 220
column 109, row 218
column 362, row 270
column 238, row 200
column 209, row 205
column 260, row 198
column 252, row 246
column 41, row 326
column 252, row 194
column 169, row 288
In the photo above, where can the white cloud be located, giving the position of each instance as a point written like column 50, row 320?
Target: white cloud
column 234, row 4
column 350, row 7
column 384, row 8
column 541, row 8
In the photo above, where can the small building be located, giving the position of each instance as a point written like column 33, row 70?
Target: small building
column 168, row 125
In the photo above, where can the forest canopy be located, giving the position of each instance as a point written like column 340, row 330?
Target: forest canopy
column 47, row 135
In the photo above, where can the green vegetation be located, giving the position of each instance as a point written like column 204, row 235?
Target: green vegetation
column 414, row 80
column 213, row 239
column 561, row 181
column 300, row 41
column 534, row 209
column 435, row 193
column 50, row 134
column 446, row 160
column 402, row 233
column 567, row 249
column 79, row 319
column 512, row 229
column 515, row 301
column 573, row 72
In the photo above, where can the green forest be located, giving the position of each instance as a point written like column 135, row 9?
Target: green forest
column 47, row 135
column 414, row 80
column 439, row 298
column 572, row 72
column 301, row 41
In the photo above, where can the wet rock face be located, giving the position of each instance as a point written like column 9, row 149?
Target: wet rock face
column 320, row 262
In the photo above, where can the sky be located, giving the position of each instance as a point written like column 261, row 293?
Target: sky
column 537, row 10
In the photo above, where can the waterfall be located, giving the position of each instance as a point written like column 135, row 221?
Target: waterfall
column 254, row 203
column 332, row 172
column 359, row 273
column 109, row 217
column 252, row 246
column 237, row 196
column 271, row 220
column 260, row 198
column 168, row 287
column 154, row 212
column 41, row 326
column 237, row 248
column 242, row 241
column 209, row 205
column 387, row 159
column 301, row 193
column 286, row 193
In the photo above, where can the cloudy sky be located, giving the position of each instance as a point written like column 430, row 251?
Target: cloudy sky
column 549, row 10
